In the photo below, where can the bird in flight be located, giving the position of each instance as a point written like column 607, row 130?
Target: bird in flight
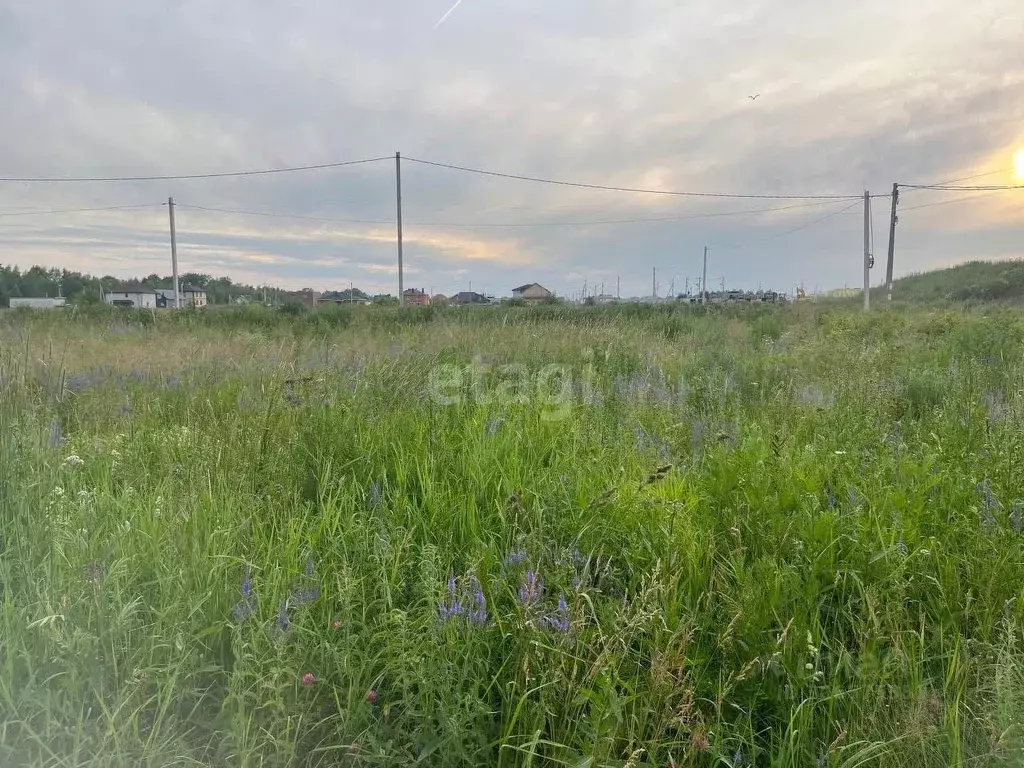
column 754, row 97
column 450, row 12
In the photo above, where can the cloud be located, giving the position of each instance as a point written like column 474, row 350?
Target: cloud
column 648, row 94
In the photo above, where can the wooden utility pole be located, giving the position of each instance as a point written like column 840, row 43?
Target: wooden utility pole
column 704, row 280
column 174, row 253
column 892, row 243
column 398, row 191
column 867, row 250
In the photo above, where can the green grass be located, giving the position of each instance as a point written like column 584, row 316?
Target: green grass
column 829, row 573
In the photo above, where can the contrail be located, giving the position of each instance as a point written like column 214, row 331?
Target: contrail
column 450, row 12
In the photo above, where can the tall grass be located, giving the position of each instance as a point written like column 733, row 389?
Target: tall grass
column 773, row 537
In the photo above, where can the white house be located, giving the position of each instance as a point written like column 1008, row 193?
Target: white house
column 129, row 296
column 532, row 292
column 38, row 302
column 193, row 296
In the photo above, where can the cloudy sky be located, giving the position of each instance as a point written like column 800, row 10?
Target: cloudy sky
column 646, row 93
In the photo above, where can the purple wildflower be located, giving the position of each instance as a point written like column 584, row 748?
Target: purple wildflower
column 283, row 622
column 901, row 547
column 245, row 607
column 479, row 612
column 515, row 558
column 833, row 502
column 453, row 607
column 559, row 620
column 307, row 595
column 531, row 589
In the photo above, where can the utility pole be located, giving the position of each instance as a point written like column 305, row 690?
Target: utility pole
column 398, row 190
column 867, row 250
column 618, row 288
column 687, row 286
column 654, row 282
column 704, row 280
column 892, row 243
column 174, row 253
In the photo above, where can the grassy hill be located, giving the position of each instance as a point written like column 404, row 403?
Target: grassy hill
column 973, row 281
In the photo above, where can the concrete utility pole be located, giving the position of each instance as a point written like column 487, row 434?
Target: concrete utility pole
column 867, row 250
column 618, row 288
column 704, row 280
column 398, row 190
column 892, row 243
column 174, row 253
column 654, row 282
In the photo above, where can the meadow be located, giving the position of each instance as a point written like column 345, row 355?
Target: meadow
column 636, row 536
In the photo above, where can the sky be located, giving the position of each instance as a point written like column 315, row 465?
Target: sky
column 651, row 94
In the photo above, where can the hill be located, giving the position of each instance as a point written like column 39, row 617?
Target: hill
column 973, row 281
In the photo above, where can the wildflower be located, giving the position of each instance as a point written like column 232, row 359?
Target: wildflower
column 371, row 697
column 74, row 461
column 453, row 607
column 245, row 607
column 515, row 558
column 308, row 595
column 559, row 620
column 832, row 501
column 531, row 589
column 283, row 622
column 479, row 613
column 308, row 679
column 822, row 761
column 336, row 625
column 737, row 757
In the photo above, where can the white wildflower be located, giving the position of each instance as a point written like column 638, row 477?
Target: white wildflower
column 74, row 461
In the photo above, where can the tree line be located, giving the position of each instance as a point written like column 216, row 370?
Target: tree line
column 81, row 288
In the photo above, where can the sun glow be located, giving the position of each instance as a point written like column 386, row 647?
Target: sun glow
column 1018, row 164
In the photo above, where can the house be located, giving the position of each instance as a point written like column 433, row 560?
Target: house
column 415, row 297
column 37, row 302
column 193, row 296
column 532, row 292
column 351, row 296
column 439, row 300
column 305, row 298
column 136, row 296
column 466, row 298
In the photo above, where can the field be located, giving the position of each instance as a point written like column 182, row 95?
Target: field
column 580, row 537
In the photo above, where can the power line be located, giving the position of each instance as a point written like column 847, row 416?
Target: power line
column 607, row 188
column 523, row 225
column 170, row 177
column 796, row 229
column 282, row 215
column 948, row 202
column 947, row 188
column 82, row 210
column 975, row 176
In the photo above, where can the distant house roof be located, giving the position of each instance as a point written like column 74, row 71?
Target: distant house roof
column 130, row 289
column 468, row 297
column 414, row 292
column 187, row 288
column 353, row 294
column 528, row 286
